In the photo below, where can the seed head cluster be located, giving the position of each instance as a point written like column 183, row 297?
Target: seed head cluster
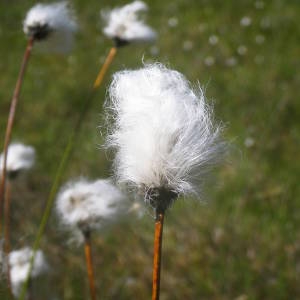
column 19, row 262
column 162, row 131
column 54, row 24
column 87, row 205
column 124, row 25
column 20, row 157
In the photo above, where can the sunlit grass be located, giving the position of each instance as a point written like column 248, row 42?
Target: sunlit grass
column 242, row 244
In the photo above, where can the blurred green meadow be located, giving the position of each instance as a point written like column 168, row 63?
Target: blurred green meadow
column 242, row 241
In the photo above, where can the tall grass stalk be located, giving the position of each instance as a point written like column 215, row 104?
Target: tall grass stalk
column 64, row 161
column 10, row 123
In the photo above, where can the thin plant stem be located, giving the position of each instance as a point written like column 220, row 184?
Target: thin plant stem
column 158, row 233
column 110, row 57
column 89, row 264
column 10, row 122
column 7, row 231
column 64, row 161
column 30, row 291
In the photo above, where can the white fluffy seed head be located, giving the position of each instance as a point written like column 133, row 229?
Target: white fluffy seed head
column 19, row 158
column 19, row 262
column 54, row 24
column 162, row 131
column 124, row 25
column 86, row 205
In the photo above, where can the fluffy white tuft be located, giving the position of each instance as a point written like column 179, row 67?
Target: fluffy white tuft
column 124, row 24
column 163, row 131
column 19, row 158
column 86, row 205
column 52, row 23
column 19, row 262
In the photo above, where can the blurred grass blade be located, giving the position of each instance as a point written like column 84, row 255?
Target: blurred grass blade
column 64, row 161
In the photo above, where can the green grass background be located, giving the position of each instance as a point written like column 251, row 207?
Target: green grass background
column 243, row 241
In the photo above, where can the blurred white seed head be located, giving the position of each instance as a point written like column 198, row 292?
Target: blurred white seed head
column 162, row 131
column 54, row 24
column 242, row 50
column 213, row 39
column 245, row 21
column 84, row 205
column 19, row 158
column 209, row 61
column 173, row 22
column 124, row 25
column 19, row 262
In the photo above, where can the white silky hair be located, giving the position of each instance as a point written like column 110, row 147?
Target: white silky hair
column 125, row 24
column 83, row 204
column 162, row 131
column 60, row 20
column 19, row 262
column 19, row 157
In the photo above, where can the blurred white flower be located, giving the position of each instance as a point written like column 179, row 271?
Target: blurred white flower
column 173, row 22
column 242, row 50
column 163, row 133
column 54, row 24
column 19, row 158
column 213, row 40
column 231, row 61
column 209, row 61
column 124, row 25
column 246, row 21
column 19, row 262
column 86, row 205
column 249, row 142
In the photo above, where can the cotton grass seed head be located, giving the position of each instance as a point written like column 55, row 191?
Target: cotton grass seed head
column 54, row 24
column 124, row 25
column 19, row 158
column 19, row 262
column 163, row 133
column 86, row 205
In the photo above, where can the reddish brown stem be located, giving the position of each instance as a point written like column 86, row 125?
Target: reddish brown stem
column 89, row 264
column 159, row 222
column 10, row 122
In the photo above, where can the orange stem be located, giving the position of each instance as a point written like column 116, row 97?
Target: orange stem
column 10, row 122
column 89, row 264
column 112, row 53
column 159, row 222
